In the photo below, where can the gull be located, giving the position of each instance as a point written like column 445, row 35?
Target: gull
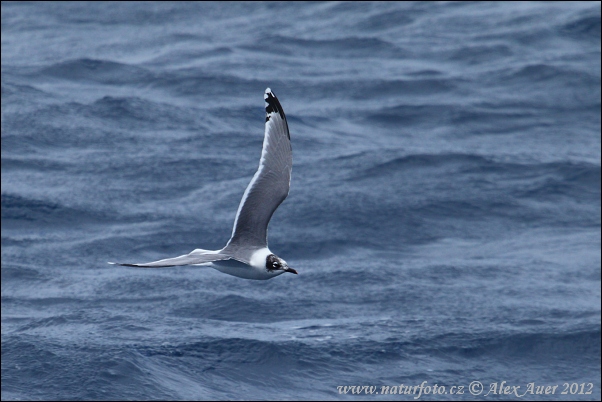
column 246, row 255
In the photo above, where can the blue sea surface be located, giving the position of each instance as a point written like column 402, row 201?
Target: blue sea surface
column 444, row 212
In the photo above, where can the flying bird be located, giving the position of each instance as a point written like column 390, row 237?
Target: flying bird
column 246, row 255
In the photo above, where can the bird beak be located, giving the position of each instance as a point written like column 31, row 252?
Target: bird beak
column 292, row 271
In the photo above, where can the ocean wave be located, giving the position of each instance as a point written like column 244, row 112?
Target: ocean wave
column 356, row 47
column 101, row 71
column 585, row 27
column 18, row 210
column 575, row 347
column 246, row 309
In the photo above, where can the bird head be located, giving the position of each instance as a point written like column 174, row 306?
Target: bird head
column 275, row 263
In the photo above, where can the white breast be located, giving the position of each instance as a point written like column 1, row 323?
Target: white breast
column 259, row 257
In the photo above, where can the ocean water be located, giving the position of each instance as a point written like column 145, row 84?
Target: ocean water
column 444, row 212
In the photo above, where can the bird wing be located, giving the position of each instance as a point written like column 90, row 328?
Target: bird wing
column 270, row 184
column 196, row 257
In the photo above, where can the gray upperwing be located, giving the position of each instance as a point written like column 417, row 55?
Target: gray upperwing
column 270, row 184
column 195, row 257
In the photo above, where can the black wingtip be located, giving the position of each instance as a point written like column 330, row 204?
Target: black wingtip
column 272, row 105
column 125, row 265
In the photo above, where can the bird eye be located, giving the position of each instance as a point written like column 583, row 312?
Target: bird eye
column 275, row 264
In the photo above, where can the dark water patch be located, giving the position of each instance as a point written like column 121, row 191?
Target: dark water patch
column 586, row 27
column 125, row 327
column 25, row 134
column 451, row 274
column 397, row 230
column 197, row 83
column 290, row 357
column 477, row 209
column 35, row 164
column 248, row 361
column 538, row 72
column 36, row 353
column 99, row 71
column 571, row 179
column 321, row 92
column 150, row 284
column 123, row 125
column 410, row 115
column 185, row 175
column 307, row 247
column 563, row 314
column 118, row 299
column 425, row 73
column 532, row 74
column 79, row 374
column 129, row 112
column 185, row 56
column 529, row 322
column 242, row 309
column 421, row 161
column 14, row 272
column 10, row 90
column 355, row 47
column 43, row 302
column 385, row 223
column 481, row 53
column 19, row 242
column 94, row 14
column 582, row 346
column 373, row 275
column 16, row 209
column 234, row 350
column 370, row 352
column 442, row 195
column 378, row 89
column 392, row 19
column 44, row 322
column 493, row 119
column 580, row 181
column 141, row 114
